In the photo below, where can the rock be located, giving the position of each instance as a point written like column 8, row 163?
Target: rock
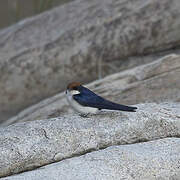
column 41, row 54
column 28, row 145
column 152, row 160
column 154, row 82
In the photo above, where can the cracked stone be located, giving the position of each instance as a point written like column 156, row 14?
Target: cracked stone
column 71, row 136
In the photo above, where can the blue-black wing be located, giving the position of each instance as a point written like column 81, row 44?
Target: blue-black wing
column 90, row 99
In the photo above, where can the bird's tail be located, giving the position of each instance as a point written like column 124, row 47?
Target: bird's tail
column 126, row 108
column 114, row 106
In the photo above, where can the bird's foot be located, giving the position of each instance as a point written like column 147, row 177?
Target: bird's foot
column 84, row 115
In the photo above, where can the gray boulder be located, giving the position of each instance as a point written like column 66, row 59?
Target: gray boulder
column 152, row 160
column 26, row 146
column 41, row 54
column 154, row 82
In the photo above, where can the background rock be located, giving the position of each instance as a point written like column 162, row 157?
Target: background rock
column 41, row 54
column 25, row 146
column 154, row 82
column 158, row 159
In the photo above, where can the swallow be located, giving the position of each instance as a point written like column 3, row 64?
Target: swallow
column 85, row 102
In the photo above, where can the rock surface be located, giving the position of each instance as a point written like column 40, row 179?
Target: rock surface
column 154, row 82
column 25, row 146
column 41, row 54
column 153, row 160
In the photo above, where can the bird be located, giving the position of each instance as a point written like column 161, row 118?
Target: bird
column 85, row 101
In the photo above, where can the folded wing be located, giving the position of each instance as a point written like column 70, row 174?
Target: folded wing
column 90, row 99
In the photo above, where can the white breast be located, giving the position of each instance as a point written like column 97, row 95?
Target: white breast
column 78, row 107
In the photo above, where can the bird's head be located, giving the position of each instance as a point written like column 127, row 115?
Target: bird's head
column 73, row 88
